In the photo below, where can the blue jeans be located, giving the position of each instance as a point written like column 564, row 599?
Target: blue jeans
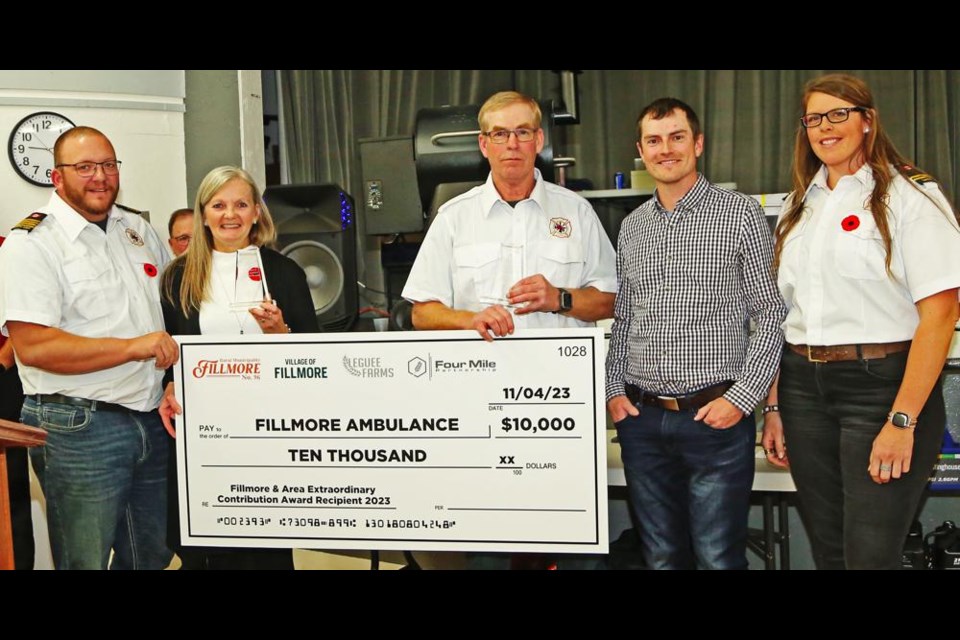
column 832, row 412
column 689, row 486
column 104, row 477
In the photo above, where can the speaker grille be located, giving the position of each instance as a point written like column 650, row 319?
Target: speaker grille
column 315, row 229
column 323, row 269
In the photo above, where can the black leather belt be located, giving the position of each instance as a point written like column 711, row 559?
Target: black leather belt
column 676, row 403
column 846, row 352
column 93, row 405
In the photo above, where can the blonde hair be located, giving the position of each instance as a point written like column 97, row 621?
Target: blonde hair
column 878, row 152
column 198, row 257
column 504, row 99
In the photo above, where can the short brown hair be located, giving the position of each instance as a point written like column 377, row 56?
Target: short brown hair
column 176, row 215
column 662, row 107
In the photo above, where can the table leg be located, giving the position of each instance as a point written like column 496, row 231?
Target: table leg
column 769, row 535
column 784, row 532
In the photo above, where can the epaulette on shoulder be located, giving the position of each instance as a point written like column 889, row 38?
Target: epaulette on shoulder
column 917, row 175
column 30, row 223
column 128, row 209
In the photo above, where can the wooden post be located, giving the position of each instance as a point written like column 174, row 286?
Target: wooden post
column 12, row 434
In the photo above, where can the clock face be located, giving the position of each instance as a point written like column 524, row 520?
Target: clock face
column 31, row 146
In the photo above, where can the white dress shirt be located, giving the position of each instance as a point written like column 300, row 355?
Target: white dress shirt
column 68, row 274
column 479, row 246
column 832, row 268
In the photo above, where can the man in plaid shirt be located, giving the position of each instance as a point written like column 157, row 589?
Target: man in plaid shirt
column 683, row 373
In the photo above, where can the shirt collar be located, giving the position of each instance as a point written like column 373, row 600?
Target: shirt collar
column 864, row 175
column 68, row 218
column 691, row 199
column 489, row 196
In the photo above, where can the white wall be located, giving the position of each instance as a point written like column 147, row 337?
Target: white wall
column 140, row 111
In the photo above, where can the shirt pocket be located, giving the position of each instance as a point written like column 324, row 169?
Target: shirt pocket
column 561, row 263
column 85, row 281
column 476, row 274
column 860, row 254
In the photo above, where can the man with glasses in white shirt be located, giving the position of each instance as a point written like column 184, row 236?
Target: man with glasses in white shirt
column 516, row 251
column 80, row 301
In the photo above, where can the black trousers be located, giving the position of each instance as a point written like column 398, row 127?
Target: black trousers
column 831, row 415
column 18, row 473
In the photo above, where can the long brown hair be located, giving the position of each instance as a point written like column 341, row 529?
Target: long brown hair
column 878, row 151
column 198, row 257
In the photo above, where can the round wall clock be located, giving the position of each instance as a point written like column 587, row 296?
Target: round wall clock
column 31, row 146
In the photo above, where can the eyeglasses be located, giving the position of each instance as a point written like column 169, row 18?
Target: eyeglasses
column 501, row 136
column 835, row 116
column 183, row 238
column 89, row 169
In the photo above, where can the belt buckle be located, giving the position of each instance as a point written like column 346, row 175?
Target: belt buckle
column 810, row 357
column 669, row 402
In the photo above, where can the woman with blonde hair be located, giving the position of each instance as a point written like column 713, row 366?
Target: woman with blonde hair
column 868, row 261
column 230, row 282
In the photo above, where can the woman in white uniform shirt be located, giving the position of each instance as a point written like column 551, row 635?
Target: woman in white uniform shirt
column 868, row 258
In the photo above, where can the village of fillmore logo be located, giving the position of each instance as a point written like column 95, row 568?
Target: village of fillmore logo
column 243, row 368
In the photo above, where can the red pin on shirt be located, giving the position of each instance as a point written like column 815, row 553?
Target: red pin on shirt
column 150, row 270
column 850, row 223
column 254, row 274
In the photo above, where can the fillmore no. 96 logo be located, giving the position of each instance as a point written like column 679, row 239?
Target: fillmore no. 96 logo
column 244, row 368
column 367, row 367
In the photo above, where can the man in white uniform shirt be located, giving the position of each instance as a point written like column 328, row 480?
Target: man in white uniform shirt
column 80, row 301
column 516, row 251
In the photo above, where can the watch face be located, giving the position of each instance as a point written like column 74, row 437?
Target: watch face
column 900, row 420
column 31, row 146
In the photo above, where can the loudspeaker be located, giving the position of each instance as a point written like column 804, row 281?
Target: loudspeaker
column 315, row 228
column 391, row 202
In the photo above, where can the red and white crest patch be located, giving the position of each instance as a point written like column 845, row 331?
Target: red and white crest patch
column 560, row 227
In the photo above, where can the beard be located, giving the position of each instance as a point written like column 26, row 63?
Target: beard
column 85, row 203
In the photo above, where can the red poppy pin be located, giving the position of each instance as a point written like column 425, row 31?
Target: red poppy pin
column 254, row 274
column 150, row 270
column 850, row 223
